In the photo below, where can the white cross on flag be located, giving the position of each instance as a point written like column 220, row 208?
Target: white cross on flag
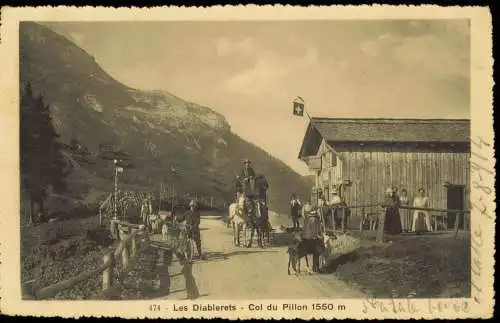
column 298, row 107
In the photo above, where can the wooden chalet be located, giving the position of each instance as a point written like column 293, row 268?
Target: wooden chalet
column 363, row 157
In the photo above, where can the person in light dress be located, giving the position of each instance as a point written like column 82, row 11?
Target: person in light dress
column 421, row 201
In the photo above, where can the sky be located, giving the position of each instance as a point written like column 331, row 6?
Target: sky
column 252, row 71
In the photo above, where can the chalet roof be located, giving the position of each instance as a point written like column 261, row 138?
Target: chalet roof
column 388, row 130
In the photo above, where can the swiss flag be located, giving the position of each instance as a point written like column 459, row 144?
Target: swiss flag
column 298, row 109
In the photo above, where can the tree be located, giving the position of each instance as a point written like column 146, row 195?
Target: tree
column 42, row 163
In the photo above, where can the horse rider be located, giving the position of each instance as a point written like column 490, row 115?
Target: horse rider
column 192, row 218
column 247, row 172
column 312, row 234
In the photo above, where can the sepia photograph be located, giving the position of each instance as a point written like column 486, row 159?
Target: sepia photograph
column 196, row 161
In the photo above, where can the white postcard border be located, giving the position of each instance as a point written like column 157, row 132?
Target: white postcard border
column 483, row 195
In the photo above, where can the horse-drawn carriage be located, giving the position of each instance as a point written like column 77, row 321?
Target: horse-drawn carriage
column 250, row 211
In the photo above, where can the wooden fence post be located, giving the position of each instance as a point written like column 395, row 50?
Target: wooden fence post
column 332, row 214
column 125, row 258
column 361, row 223
column 133, row 246
column 457, row 222
column 343, row 219
column 114, row 229
column 107, row 275
column 466, row 225
column 381, row 224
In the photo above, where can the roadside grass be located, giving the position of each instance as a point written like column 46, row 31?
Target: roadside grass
column 51, row 252
column 408, row 266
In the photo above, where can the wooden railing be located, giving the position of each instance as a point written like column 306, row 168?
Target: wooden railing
column 102, row 206
column 125, row 255
column 466, row 214
column 379, row 216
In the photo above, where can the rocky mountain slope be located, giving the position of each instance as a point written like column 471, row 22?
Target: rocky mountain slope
column 163, row 136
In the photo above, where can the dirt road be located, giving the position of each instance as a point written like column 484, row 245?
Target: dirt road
column 230, row 272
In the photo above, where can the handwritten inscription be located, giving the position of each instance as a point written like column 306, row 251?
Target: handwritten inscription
column 410, row 306
column 395, row 306
column 440, row 306
column 480, row 171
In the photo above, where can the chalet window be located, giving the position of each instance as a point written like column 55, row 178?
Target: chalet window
column 333, row 159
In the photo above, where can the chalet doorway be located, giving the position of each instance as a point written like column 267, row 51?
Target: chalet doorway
column 455, row 197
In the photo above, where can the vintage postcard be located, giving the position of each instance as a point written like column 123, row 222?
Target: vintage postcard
column 247, row 162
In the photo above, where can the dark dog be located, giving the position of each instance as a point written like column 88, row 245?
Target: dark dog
column 301, row 248
column 296, row 252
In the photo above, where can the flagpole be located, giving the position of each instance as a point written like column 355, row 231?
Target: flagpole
column 320, row 182
column 161, row 192
column 115, row 191
column 307, row 114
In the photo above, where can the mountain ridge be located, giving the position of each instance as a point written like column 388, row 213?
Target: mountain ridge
column 157, row 129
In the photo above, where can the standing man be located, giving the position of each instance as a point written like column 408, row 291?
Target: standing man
column 193, row 221
column 295, row 207
column 313, row 236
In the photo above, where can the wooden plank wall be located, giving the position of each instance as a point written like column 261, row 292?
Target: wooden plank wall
column 334, row 174
column 371, row 172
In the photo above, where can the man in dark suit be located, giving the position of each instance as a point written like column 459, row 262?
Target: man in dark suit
column 247, row 177
column 247, row 171
column 295, row 209
column 192, row 218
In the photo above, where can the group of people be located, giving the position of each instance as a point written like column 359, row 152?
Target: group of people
column 401, row 220
column 324, row 208
column 297, row 210
column 397, row 219
column 191, row 218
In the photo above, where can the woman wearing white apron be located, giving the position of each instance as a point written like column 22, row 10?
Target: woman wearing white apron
column 421, row 201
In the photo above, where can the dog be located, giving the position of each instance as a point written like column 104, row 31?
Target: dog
column 296, row 252
column 294, row 255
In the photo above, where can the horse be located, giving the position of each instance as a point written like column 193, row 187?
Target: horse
column 258, row 220
column 251, row 205
column 238, row 219
column 244, row 214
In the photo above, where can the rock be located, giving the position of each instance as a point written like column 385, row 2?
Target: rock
column 344, row 244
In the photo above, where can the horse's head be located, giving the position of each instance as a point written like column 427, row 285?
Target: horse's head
column 240, row 201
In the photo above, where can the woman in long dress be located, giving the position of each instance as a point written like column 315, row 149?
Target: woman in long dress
column 392, row 224
column 421, row 201
column 405, row 213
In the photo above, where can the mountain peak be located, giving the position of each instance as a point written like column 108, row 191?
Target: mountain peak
column 156, row 129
